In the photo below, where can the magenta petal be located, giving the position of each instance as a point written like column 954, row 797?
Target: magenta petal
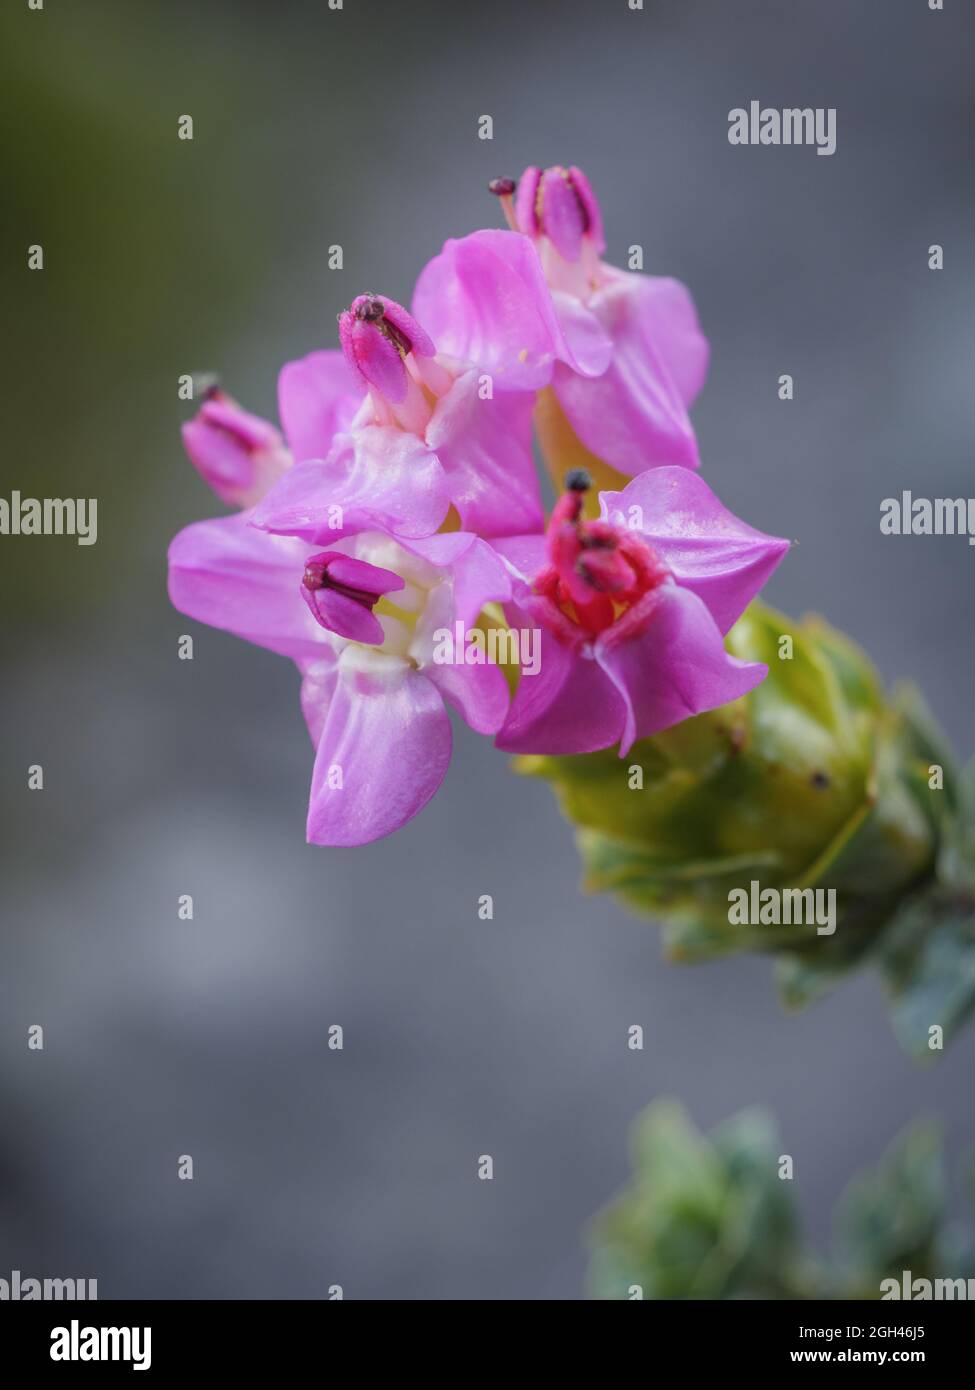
column 249, row 430
column 373, row 356
column 480, row 577
column 318, row 397
column 376, row 478
column 526, row 201
column 485, row 447
column 442, row 550
column 383, row 752
column 570, row 706
column 671, row 320
column 708, row 549
column 220, row 458
column 419, row 340
column 633, row 415
column 318, row 680
column 586, row 349
column 478, row 692
column 564, row 218
column 485, row 300
column 526, row 556
column 675, row 668
column 590, row 203
column 360, row 574
column 343, row 615
column 231, row 576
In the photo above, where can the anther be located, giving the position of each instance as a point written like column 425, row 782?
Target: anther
column 577, row 480
column 370, row 310
column 504, row 188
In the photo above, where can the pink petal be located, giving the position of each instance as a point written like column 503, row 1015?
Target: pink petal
column 442, row 550
column 317, row 399
column 249, row 430
column 590, row 203
column 485, row 301
column 318, row 679
column 527, row 556
column 382, row 478
column 373, row 356
column 675, row 668
column 673, row 323
column 526, row 201
column 570, row 706
column 387, row 733
column 478, row 574
column 564, row 218
column 480, row 577
column 220, row 459
column 708, row 549
column 477, row 577
column 419, row 339
column 231, row 576
column 633, row 415
column 478, row 693
column 343, row 616
column 587, row 348
column 360, row 574
column 486, row 450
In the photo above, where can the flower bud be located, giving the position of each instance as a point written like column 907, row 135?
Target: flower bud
column 377, row 336
column 559, row 204
column 341, row 593
column 238, row 454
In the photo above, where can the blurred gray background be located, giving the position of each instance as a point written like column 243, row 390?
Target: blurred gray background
column 162, row 777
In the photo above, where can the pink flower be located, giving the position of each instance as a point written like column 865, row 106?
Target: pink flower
column 238, row 454
column 360, row 620
column 391, row 435
column 632, row 609
column 623, row 352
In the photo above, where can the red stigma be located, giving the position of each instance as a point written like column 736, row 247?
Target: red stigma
column 598, row 571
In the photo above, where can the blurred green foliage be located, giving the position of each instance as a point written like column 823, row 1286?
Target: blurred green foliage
column 711, row 1218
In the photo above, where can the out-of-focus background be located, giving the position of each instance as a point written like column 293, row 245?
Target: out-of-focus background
column 163, row 777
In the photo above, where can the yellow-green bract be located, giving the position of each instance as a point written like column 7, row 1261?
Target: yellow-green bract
column 815, row 778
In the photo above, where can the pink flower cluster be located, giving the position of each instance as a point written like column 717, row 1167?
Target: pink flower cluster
column 399, row 502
